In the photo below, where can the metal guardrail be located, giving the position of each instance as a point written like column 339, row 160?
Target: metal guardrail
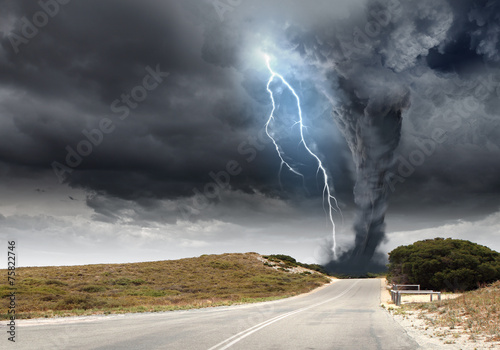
column 396, row 294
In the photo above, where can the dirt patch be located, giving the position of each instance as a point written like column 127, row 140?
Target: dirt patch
column 419, row 326
column 282, row 266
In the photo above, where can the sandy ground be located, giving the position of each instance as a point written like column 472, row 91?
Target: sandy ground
column 296, row 269
column 431, row 337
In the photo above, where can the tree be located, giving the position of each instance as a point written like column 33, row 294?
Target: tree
column 444, row 264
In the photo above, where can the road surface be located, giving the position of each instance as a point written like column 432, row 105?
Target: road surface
column 343, row 315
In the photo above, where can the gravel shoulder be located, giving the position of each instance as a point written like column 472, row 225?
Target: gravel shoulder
column 418, row 325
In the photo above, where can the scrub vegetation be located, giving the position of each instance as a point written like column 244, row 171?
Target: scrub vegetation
column 476, row 313
column 444, row 265
column 208, row 280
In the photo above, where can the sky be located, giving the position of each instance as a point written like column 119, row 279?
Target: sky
column 135, row 131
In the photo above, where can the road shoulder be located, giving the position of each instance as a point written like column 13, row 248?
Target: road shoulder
column 419, row 326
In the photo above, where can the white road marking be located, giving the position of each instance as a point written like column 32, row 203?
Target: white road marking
column 243, row 334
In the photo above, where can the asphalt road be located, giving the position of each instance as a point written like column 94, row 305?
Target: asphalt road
column 343, row 315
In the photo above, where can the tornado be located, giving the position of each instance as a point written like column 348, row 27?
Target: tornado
column 371, row 75
column 372, row 129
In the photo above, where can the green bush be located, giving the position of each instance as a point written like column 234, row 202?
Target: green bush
column 314, row 267
column 79, row 302
column 122, row 281
column 224, row 265
column 56, row 283
column 138, row 281
column 93, row 289
column 284, row 258
column 444, row 264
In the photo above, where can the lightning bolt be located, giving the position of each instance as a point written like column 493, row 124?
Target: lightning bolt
column 327, row 190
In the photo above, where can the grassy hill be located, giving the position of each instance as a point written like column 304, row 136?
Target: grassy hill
column 209, row 280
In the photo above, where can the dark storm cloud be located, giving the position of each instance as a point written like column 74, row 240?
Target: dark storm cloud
column 65, row 79
column 445, row 53
column 203, row 115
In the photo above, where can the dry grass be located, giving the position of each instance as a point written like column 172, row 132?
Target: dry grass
column 476, row 312
column 209, row 280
